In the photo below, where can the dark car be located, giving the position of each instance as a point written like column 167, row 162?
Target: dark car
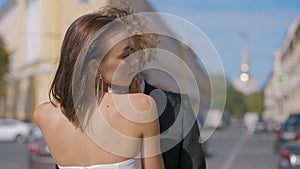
column 261, row 126
column 290, row 155
column 38, row 152
column 289, row 131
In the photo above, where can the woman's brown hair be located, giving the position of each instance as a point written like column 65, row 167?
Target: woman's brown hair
column 80, row 32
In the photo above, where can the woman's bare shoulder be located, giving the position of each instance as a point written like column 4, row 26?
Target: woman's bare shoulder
column 142, row 102
column 45, row 112
column 41, row 109
column 136, row 101
column 43, row 106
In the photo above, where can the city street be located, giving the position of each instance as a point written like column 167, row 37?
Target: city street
column 229, row 148
column 13, row 156
column 234, row 148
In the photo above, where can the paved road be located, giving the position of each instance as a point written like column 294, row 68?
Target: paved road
column 229, row 148
column 13, row 156
column 234, row 148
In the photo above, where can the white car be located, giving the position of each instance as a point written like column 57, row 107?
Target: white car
column 250, row 121
column 14, row 130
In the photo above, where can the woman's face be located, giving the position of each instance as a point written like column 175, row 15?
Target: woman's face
column 118, row 67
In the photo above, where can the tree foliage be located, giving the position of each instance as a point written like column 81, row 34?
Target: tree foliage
column 235, row 102
column 219, row 86
column 4, row 67
column 255, row 102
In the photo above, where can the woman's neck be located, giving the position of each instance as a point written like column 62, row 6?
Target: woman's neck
column 117, row 89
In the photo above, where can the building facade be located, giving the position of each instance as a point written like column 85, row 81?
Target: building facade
column 282, row 91
column 33, row 31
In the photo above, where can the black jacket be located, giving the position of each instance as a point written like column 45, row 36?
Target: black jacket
column 175, row 109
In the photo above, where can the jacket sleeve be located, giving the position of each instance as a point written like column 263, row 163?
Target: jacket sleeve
column 192, row 156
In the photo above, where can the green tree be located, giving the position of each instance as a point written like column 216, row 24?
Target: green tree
column 220, row 89
column 235, row 102
column 255, row 102
column 4, row 67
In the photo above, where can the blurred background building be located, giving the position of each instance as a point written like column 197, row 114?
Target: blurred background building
column 33, row 31
column 282, row 90
column 245, row 83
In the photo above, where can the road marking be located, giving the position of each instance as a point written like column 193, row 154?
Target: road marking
column 235, row 152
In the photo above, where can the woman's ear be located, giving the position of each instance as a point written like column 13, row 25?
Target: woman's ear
column 93, row 66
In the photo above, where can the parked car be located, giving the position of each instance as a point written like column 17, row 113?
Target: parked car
column 250, row 121
column 217, row 119
column 261, row 126
column 290, row 155
column 38, row 153
column 288, row 131
column 14, row 130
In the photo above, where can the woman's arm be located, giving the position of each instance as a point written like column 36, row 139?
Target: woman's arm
column 151, row 154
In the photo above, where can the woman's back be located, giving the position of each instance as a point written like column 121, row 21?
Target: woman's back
column 70, row 146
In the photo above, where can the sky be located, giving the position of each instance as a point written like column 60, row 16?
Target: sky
column 265, row 23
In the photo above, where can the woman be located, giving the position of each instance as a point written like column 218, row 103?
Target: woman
column 89, row 122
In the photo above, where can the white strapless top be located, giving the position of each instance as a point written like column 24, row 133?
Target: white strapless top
column 133, row 163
